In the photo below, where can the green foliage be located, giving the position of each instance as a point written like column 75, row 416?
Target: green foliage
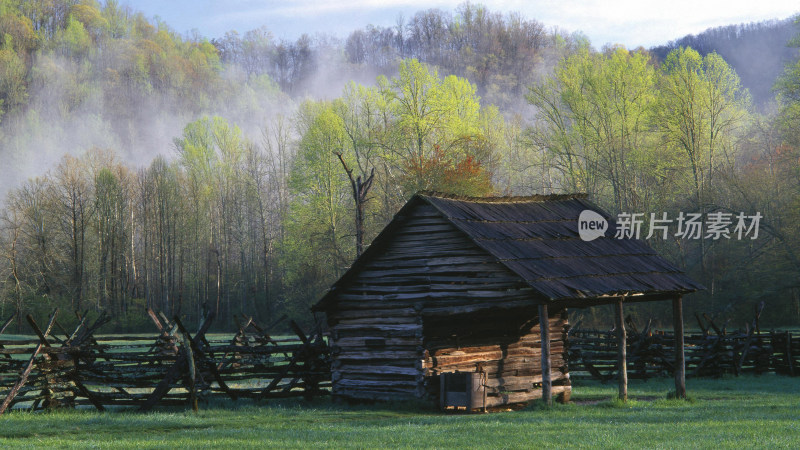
column 438, row 128
column 264, row 223
column 788, row 96
column 73, row 41
column 597, row 113
column 702, row 106
column 17, row 31
column 13, row 86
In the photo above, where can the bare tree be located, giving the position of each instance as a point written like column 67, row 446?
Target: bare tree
column 360, row 191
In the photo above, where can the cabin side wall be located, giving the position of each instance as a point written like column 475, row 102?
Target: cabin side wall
column 376, row 323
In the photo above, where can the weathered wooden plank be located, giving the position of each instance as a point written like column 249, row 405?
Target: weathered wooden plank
column 374, row 332
column 7, row 322
column 460, row 269
column 476, row 357
column 373, row 304
column 455, row 297
column 337, row 375
column 424, row 278
column 506, row 365
column 515, row 348
column 346, row 383
column 22, row 380
column 413, row 256
column 498, row 302
column 367, row 321
column 521, row 397
column 365, row 341
column 42, row 335
column 380, row 395
column 379, row 327
column 176, row 369
column 385, row 316
column 377, row 355
column 368, row 289
column 512, row 383
column 383, row 369
column 428, row 229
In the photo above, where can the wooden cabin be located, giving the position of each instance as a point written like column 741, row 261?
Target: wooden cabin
column 464, row 285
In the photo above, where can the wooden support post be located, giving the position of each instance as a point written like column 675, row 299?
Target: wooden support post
column 622, row 363
column 789, row 357
column 680, row 361
column 544, row 330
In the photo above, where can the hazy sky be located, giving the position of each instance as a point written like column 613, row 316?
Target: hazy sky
column 628, row 22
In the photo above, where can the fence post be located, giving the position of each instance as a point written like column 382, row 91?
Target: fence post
column 621, row 352
column 789, row 356
column 680, row 361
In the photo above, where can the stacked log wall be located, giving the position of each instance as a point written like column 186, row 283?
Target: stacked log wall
column 512, row 366
column 427, row 269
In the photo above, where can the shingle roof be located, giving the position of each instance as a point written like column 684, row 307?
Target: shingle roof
column 537, row 238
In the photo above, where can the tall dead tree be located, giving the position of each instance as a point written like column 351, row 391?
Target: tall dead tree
column 360, row 190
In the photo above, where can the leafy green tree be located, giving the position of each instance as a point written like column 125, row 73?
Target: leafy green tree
column 212, row 153
column 595, row 120
column 434, row 119
column 701, row 106
column 788, row 90
column 318, row 181
column 13, row 87
column 17, row 31
column 73, row 41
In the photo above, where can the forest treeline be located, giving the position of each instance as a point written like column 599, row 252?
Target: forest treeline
column 274, row 176
column 758, row 52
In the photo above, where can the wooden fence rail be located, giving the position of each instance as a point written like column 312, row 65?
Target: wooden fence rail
column 593, row 354
column 174, row 367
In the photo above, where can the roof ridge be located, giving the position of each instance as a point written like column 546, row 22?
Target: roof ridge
column 505, row 198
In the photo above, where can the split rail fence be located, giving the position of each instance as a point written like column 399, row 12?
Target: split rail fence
column 711, row 353
column 64, row 369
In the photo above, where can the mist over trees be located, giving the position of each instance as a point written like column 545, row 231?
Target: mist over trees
column 758, row 52
column 174, row 172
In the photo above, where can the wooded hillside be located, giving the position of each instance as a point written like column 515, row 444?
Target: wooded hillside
column 145, row 168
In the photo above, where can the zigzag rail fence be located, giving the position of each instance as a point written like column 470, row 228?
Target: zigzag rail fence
column 65, row 369
column 175, row 367
column 711, row 353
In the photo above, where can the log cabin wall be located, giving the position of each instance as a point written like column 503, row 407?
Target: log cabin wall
column 503, row 344
column 428, row 269
column 452, row 282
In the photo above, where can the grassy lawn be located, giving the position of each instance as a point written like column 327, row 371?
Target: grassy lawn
column 761, row 412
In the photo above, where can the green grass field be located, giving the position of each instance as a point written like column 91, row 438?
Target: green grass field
column 744, row 412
